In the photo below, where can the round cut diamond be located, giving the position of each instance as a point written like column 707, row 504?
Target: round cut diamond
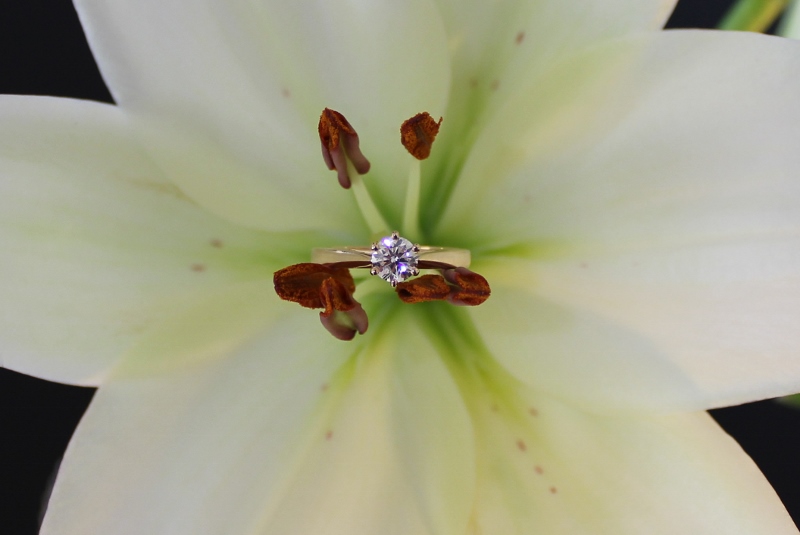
column 394, row 259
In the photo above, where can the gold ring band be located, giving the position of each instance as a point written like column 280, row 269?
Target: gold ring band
column 429, row 257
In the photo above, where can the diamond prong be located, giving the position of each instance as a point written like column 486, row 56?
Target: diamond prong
column 373, row 271
column 414, row 272
column 416, row 248
column 374, row 246
column 395, row 235
column 393, row 283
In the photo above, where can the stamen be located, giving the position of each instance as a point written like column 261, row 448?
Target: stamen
column 344, row 325
column 418, row 133
column 471, row 289
column 372, row 216
column 411, row 211
column 422, row 289
column 340, row 150
column 340, row 145
column 302, row 283
column 465, row 288
column 336, row 296
column 328, row 287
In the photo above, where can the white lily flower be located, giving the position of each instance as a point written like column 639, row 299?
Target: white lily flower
column 629, row 193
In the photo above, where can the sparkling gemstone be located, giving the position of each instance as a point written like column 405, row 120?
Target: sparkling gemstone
column 394, row 259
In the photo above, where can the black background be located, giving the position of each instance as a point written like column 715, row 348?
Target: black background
column 43, row 52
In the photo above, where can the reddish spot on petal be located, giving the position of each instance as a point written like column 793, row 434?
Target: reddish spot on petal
column 473, row 83
column 533, row 412
column 553, row 490
column 286, row 94
column 198, row 268
column 584, row 265
column 521, row 445
column 324, row 387
column 495, row 408
column 538, row 469
column 216, row 243
column 520, row 37
column 495, row 85
column 329, row 435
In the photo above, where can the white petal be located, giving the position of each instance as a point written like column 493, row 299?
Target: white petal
column 234, row 91
column 566, row 471
column 97, row 247
column 499, row 48
column 710, row 111
column 485, row 35
column 693, row 326
column 293, row 433
column 660, row 228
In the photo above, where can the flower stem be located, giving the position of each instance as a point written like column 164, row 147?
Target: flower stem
column 411, row 212
column 753, row 15
column 372, row 216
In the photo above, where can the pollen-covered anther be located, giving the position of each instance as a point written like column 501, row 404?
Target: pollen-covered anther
column 469, row 288
column 339, row 144
column 345, row 325
column 459, row 286
column 326, row 287
column 422, row 289
column 418, row 133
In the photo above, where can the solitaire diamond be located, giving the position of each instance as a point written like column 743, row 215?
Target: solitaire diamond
column 394, row 259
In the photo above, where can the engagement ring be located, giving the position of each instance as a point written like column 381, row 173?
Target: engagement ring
column 393, row 258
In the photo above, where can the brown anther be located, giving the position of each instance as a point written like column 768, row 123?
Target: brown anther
column 339, row 144
column 304, row 284
column 329, row 288
column 344, row 325
column 422, row 289
column 470, row 289
column 418, row 133
column 335, row 296
column 459, row 286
